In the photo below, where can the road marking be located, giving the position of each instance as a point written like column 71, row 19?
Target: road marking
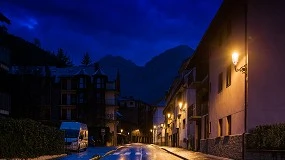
column 127, row 153
column 116, row 153
column 138, row 153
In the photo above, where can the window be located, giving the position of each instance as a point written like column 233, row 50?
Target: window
column 81, row 83
column 64, row 99
column 220, row 82
column 229, row 125
column 63, row 84
column 183, row 126
column 220, row 127
column 210, row 127
column 73, row 99
column 81, row 98
column 98, row 83
column 68, row 114
column 229, row 76
column 206, row 127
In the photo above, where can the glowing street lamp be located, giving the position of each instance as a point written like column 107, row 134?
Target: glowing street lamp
column 235, row 57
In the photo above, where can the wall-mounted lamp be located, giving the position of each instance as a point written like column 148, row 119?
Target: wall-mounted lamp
column 122, row 130
column 235, row 57
column 168, row 115
column 161, row 125
column 180, row 104
column 154, row 127
column 181, row 107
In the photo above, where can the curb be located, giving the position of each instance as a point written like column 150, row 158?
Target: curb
column 174, row 154
column 207, row 155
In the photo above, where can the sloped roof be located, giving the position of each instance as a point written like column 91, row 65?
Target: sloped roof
column 99, row 72
column 81, row 72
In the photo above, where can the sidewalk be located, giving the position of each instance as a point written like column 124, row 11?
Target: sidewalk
column 187, row 154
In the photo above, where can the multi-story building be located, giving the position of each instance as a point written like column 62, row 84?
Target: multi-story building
column 158, row 124
column 79, row 93
column 186, row 111
column 88, row 95
column 5, row 99
column 137, row 120
column 245, row 43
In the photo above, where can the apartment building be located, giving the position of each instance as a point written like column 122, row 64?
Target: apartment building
column 245, row 47
column 5, row 98
column 80, row 93
column 136, row 122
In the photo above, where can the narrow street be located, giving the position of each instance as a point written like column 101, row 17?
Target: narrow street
column 138, row 151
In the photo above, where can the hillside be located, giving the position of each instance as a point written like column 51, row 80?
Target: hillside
column 150, row 82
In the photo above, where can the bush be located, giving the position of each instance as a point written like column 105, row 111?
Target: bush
column 29, row 139
column 267, row 137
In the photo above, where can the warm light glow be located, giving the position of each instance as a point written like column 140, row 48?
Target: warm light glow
column 121, row 130
column 180, row 104
column 235, row 56
column 168, row 115
column 150, row 130
column 154, row 126
column 161, row 124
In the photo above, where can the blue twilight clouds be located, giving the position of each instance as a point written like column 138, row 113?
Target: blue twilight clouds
column 135, row 29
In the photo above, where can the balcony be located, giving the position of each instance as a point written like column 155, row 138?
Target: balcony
column 190, row 79
column 194, row 112
column 4, row 59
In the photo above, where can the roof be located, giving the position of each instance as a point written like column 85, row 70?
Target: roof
column 81, row 72
column 99, row 72
column 65, row 72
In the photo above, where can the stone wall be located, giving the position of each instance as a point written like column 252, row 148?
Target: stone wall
column 227, row 146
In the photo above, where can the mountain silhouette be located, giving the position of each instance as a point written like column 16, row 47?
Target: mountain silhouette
column 149, row 82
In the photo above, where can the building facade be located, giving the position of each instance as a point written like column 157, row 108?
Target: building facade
column 81, row 93
column 136, row 122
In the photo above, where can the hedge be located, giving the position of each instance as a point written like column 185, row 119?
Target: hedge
column 29, row 139
column 267, row 137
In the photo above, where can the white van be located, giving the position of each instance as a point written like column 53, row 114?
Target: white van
column 75, row 135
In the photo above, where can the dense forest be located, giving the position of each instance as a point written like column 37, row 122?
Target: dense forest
column 25, row 53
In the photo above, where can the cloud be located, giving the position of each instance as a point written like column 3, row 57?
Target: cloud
column 126, row 27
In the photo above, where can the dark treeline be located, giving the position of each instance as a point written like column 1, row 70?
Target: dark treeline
column 25, row 53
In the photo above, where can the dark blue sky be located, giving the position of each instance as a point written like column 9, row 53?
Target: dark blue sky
column 135, row 29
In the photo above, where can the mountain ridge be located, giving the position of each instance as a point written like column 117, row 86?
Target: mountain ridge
column 148, row 82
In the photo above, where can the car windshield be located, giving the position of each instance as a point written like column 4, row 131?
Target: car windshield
column 71, row 133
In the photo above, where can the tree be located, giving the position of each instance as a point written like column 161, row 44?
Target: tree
column 4, row 19
column 37, row 42
column 64, row 60
column 86, row 60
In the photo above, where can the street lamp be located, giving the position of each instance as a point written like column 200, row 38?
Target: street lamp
column 168, row 115
column 235, row 57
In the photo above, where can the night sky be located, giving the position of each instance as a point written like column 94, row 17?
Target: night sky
column 134, row 29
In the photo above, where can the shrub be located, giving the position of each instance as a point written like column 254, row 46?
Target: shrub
column 28, row 139
column 268, row 137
